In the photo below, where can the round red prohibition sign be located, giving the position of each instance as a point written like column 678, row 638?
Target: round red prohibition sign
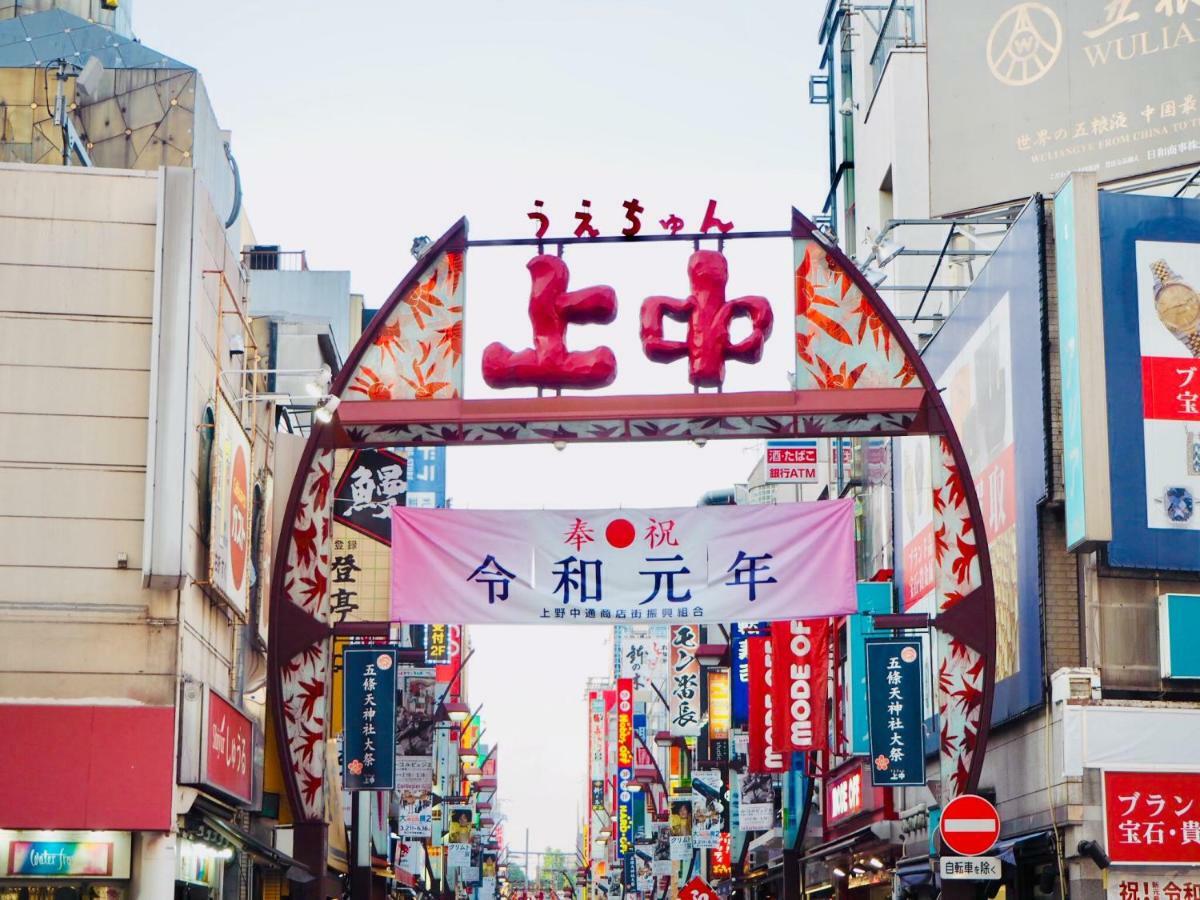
column 969, row 825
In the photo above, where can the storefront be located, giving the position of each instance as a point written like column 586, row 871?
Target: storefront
column 857, row 859
column 65, row 865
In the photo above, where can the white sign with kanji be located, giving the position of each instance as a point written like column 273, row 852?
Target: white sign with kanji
column 979, row 868
column 623, row 566
column 1153, row 884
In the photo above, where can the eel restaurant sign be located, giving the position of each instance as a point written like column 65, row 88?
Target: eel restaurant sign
column 369, row 685
column 894, row 708
column 705, row 564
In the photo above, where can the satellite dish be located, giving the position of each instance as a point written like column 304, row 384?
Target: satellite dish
column 89, row 79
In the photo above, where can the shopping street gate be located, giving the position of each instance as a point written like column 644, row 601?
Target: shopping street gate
column 857, row 374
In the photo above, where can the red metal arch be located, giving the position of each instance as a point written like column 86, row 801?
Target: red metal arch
column 402, row 385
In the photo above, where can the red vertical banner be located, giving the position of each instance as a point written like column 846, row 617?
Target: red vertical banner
column 801, row 684
column 763, row 757
column 447, row 672
column 610, row 753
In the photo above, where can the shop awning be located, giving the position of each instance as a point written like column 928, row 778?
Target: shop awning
column 916, row 871
column 873, row 833
column 264, row 852
column 1008, row 848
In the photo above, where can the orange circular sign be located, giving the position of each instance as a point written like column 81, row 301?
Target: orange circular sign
column 239, row 507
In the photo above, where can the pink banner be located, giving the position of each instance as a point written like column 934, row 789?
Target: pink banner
column 694, row 564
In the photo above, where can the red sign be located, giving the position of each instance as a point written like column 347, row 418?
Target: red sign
column 844, row 796
column 762, row 755
column 697, row 889
column 1171, row 388
column 239, row 517
column 801, row 683
column 969, row 825
column 444, row 673
column 228, row 743
column 1152, row 817
column 719, row 863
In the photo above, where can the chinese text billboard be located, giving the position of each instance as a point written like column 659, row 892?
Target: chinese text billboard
column 895, row 712
column 229, row 528
column 685, row 681
column 1022, row 93
column 1152, row 817
column 704, row 564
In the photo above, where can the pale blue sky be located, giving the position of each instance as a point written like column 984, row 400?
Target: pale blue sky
column 359, row 125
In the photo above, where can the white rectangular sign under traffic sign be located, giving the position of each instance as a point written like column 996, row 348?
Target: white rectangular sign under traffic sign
column 977, row 867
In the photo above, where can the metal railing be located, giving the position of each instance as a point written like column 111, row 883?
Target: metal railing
column 266, row 257
column 898, row 28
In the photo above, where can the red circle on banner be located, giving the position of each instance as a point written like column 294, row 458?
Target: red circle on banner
column 620, row 533
column 239, row 518
column 969, row 825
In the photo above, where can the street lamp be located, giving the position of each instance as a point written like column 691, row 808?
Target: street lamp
column 712, row 654
column 456, row 711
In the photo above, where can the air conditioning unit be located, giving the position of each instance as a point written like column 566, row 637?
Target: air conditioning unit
column 1075, row 684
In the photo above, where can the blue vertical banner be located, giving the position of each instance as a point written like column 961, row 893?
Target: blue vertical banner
column 743, row 633
column 894, row 710
column 427, row 477
column 369, row 714
column 874, row 597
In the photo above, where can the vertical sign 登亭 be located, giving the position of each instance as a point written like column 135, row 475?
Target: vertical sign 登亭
column 685, row 681
column 800, row 683
column 625, row 694
column 894, row 711
column 369, row 713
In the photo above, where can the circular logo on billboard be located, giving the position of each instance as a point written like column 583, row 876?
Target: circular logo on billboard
column 909, row 654
column 384, row 662
column 1024, row 43
column 239, row 508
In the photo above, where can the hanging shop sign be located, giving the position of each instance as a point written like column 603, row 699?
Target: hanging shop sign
column 643, row 654
column 718, row 712
column 625, row 698
column 229, row 524
column 426, row 477
column 369, row 711
column 800, row 672
column 685, row 681
column 220, row 748
column 844, row 796
column 791, row 462
column 705, row 564
column 64, row 854
column 414, row 789
column 437, row 645
column 1152, row 818
column 697, row 889
column 373, row 482
column 764, row 755
column 740, row 637
column 895, row 712
column 720, row 863
column 596, row 747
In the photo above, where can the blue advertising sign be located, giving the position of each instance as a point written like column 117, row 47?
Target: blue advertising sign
column 1150, row 269
column 369, row 713
column 987, row 360
column 873, row 597
column 427, row 477
column 742, row 633
column 894, row 708
column 795, row 783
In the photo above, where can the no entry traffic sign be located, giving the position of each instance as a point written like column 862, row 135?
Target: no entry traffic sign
column 969, row 825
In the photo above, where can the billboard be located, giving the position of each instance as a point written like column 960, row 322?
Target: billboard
column 229, row 531
column 1023, row 93
column 986, row 356
column 791, row 462
column 895, row 673
column 369, row 710
column 1150, row 270
column 1149, row 817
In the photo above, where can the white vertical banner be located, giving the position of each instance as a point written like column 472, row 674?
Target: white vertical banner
column 685, row 681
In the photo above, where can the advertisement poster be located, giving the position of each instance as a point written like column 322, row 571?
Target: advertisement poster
column 719, row 712
column 462, row 825
column 458, row 855
column 756, row 802
column 415, row 818
column 681, row 828
column 646, row 878
column 229, row 524
column 1150, row 817
column 612, row 566
column 685, row 681
column 1168, row 306
column 708, row 810
column 662, row 850
column 414, row 713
